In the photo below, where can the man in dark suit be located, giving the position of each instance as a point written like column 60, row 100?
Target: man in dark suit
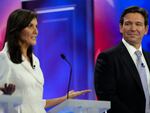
column 117, row 78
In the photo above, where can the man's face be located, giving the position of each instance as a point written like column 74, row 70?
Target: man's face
column 133, row 28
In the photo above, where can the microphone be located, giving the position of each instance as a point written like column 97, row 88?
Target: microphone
column 33, row 66
column 70, row 75
column 142, row 64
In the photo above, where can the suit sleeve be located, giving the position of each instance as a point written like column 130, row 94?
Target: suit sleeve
column 106, row 84
column 4, row 70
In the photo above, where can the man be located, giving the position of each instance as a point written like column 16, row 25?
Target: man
column 118, row 75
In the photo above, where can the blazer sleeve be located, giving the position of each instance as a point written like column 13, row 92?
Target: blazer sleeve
column 105, row 83
column 5, row 70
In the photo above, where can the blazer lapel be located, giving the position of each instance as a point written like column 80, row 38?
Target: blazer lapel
column 28, row 68
column 130, row 65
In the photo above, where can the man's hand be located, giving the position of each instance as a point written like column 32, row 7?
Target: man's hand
column 8, row 89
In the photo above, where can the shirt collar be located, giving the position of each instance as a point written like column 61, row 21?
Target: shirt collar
column 131, row 49
column 5, row 49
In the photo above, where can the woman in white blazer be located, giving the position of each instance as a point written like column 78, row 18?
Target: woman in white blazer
column 19, row 66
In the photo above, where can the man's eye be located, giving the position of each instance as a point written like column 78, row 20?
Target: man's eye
column 127, row 23
column 139, row 24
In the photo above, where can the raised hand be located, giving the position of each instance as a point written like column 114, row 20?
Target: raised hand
column 8, row 89
column 73, row 94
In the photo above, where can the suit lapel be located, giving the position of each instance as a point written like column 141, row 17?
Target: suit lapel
column 130, row 65
column 28, row 68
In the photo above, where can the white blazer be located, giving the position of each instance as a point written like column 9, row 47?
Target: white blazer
column 29, row 82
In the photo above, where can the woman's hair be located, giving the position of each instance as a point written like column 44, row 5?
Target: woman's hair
column 17, row 21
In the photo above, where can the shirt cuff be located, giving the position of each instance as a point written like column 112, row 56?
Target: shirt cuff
column 44, row 102
column 1, row 92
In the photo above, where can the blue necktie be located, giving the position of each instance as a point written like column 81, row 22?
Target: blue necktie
column 143, row 76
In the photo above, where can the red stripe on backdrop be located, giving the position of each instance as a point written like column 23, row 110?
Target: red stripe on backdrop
column 106, row 26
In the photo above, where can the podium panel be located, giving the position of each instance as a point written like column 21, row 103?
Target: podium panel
column 81, row 106
column 8, row 103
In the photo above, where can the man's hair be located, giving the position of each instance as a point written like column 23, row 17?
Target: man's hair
column 135, row 9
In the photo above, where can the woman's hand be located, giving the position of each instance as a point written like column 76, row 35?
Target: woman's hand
column 8, row 89
column 73, row 94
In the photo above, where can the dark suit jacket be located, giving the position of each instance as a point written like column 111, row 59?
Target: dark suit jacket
column 117, row 80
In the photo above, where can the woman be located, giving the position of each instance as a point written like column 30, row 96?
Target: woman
column 17, row 60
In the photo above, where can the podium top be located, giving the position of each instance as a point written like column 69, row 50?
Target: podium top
column 75, row 103
column 10, row 99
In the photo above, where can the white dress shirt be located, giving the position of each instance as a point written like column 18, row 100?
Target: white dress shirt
column 131, row 51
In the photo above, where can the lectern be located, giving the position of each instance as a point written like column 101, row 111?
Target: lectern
column 81, row 106
column 8, row 103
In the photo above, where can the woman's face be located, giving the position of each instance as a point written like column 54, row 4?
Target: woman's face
column 29, row 33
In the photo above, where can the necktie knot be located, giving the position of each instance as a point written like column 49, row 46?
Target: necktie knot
column 138, row 54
